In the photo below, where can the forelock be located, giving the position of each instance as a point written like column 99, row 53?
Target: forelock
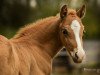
column 71, row 11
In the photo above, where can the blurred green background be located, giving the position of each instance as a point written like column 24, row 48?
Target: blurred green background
column 17, row 13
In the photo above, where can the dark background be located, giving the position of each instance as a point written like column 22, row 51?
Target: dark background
column 17, row 13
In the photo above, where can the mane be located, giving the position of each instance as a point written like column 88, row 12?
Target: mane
column 34, row 26
column 27, row 29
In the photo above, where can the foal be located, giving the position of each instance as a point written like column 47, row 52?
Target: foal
column 32, row 50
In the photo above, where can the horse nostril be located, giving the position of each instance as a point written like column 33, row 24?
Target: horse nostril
column 76, row 55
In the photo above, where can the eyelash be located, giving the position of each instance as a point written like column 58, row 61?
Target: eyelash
column 65, row 32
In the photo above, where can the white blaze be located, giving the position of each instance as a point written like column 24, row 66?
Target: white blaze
column 76, row 29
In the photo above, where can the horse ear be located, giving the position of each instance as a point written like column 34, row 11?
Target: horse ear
column 63, row 12
column 81, row 11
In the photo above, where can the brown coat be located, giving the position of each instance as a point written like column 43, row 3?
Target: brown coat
column 31, row 51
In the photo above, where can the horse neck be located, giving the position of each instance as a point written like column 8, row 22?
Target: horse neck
column 46, row 36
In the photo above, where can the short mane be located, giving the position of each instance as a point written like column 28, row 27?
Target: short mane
column 34, row 26
column 27, row 29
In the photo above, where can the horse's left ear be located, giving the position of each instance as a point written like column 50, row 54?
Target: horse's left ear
column 63, row 12
column 81, row 12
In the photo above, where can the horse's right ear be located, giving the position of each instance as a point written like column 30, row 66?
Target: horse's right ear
column 63, row 12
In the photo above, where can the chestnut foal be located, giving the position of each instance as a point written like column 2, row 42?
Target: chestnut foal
column 32, row 50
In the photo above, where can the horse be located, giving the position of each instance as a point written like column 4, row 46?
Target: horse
column 32, row 50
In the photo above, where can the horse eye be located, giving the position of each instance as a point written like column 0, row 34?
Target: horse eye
column 65, row 32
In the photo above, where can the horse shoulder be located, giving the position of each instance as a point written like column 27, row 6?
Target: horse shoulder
column 40, row 63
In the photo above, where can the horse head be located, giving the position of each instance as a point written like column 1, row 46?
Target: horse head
column 71, row 32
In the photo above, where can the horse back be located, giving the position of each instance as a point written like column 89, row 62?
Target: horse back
column 7, row 57
column 3, row 39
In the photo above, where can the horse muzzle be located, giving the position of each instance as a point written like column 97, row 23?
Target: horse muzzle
column 78, row 56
